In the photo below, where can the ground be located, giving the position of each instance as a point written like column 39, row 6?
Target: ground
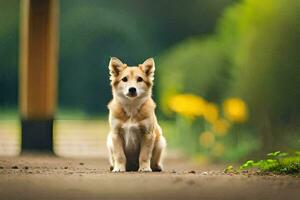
column 48, row 177
column 42, row 176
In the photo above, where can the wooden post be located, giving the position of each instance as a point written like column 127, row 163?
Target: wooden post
column 38, row 72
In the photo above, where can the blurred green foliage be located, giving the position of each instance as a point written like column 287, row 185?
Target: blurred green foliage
column 253, row 55
column 197, row 66
column 264, row 38
column 8, row 52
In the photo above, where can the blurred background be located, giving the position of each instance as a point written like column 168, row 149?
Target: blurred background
column 227, row 81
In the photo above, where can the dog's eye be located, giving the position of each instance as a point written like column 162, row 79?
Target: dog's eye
column 124, row 79
column 139, row 79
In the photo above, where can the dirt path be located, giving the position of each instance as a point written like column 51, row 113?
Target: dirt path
column 45, row 177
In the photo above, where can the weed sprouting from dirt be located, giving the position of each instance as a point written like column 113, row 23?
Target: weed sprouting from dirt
column 276, row 162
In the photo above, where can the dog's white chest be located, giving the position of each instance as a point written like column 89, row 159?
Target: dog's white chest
column 132, row 135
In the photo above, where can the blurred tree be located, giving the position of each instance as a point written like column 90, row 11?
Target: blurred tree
column 253, row 55
column 264, row 42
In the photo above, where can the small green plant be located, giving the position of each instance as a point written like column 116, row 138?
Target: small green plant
column 277, row 162
column 229, row 169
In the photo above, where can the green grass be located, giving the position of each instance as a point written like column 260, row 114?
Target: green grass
column 276, row 162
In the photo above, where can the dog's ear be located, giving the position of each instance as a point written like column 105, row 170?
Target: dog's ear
column 116, row 66
column 148, row 67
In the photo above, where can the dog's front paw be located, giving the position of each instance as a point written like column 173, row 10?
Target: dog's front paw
column 145, row 169
column 118, row 169
column 115, row 170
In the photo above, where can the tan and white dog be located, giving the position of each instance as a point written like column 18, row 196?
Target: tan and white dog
column 135, row 141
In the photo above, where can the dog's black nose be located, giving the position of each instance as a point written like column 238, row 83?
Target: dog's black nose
column 132, row 90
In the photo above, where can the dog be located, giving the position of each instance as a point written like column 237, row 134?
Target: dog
column 135, row 141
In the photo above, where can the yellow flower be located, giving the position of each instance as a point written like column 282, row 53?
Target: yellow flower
column 187, row 105
column 218, row 149
column 235, row 110
column 206, row 139
column 221, row 127
column 211, row 113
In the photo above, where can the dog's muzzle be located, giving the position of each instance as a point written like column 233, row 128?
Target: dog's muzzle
column 132, row 92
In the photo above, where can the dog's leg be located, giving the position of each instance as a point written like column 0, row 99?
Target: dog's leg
column 156, row 160
column 146, row 152
column 111, row 161
column 119, row 157
column 109, row 145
